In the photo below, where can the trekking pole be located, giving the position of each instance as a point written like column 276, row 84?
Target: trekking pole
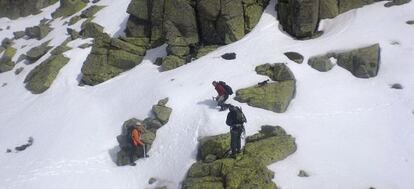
column 145, row 153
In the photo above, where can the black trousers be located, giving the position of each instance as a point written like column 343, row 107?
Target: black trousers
column 235, row 142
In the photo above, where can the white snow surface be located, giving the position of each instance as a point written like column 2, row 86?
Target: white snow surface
column 350, row 132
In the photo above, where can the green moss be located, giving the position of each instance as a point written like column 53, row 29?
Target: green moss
column 203, row 183
column 43, row 75
column 276, row 72
column 96, row 70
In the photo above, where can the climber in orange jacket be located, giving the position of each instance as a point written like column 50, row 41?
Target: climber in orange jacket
column 136, row 143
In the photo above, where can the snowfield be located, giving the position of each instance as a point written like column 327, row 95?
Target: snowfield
column 350, row 132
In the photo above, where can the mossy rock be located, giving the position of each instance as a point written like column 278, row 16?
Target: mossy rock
column 204, row 50
column 36, row 53
column 68, row 8
column 139, row 9
column 162, row 113
column 328, row 9
column 171, row 62
column 6, row 42
column 215, row 145
column 276, row 72
column 362, row 63
column 6, row 63
column 249, row 173
column 180, row 51
column 73, row 33
column 273, row 96
column 96, row 70
column 91, row 29
column 180, row 19
column 249, row 169
column 203, row 183
column 137, row 41
column 38, row 32
column 91, row 11
column 321, row 63
column 123, row 59
column 14, row 9
column 252, row 14
column 396, row 3
column 138, row 50
column 43, row 75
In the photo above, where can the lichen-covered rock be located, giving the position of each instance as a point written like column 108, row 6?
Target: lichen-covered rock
column 171, row 62
column 396, row 3
column 20, row 8
column 60, row 49
column 73, row 33
column 204, row 50
column 43, row 75
column 38, row 32
column 68, row 8
column 273, row 96
column 91, row 11
column 249, row 169
column 36, row 53
column 131, row 48
column 276, row 72
column 6, row 63
column 214, row 145
column 252, row 14
column 321, row 63
column 162, row 113
column 18, row 70
column 362, row 63
column 6, row 42
column 295, row 57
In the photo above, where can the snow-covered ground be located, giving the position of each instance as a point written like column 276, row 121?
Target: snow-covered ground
column 350, row 132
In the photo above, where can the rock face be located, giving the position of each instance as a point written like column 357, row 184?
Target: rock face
column 68, row 8
column 147, row 136
column 43, row 75
column 6, row 63
column 109, row 57
column 295, row 57
column 186, row 24
column 248, row 170
column 274, row 96
column 20, row 8
column 362, row 63
column 300, row 18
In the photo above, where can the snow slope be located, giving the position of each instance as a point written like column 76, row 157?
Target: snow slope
column 350, row 132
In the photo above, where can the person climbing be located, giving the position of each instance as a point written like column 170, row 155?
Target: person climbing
column 235, row 119
column 223, row 92
column 136, row 142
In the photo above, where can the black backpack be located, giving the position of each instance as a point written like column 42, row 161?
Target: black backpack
column 240, row 118
column 227, row 88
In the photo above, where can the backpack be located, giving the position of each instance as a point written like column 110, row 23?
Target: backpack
column 227, row 88
column 240, row 118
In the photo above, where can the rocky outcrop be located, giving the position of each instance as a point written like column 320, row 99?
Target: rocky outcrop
column 109, row 57
column 248, row 169
column 151, row 125
column 68, row 8
column 6, row 63
column 20, row 8
column 274, row 96
column 184, row 24
column 362, row 63
column 300, row 18
column 43, row 75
